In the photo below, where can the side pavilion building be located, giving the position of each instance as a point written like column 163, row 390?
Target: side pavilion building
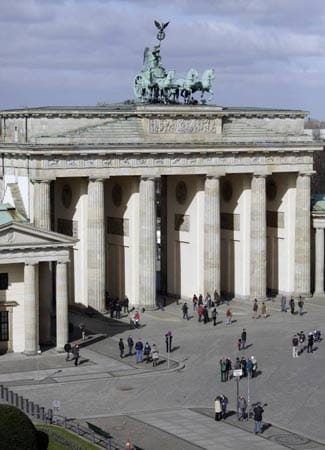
column 230, row 188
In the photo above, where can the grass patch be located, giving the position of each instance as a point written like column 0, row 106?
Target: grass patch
column 61, row 439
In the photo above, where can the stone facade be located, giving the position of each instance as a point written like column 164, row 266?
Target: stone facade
column 231, row 209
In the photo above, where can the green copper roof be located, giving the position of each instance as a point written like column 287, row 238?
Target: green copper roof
column 318, row 202
column 8, row 213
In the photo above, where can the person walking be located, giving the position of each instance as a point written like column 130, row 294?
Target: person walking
column 301, row 305
column 228, row 369
column 223, row 369
column 214, row 315
column 295, row 343
column 126, row 305
column 194, row 300
column 254, row 366
column 217, row 409
column 200, row 312
column 255, row 309
column 121, row 347
column 168, row 341
column 205, row 314
column 76, row 354
column 302, row 339
column 130, row 344
column 243, row 363
column 67, row 349
column 292, row 305
column 258, row 417
column 138, row 351
column 228, row 316
column 249, row 367
column 147, row 352
column 185, row 311
column 310, row 342
column 224, row 404
column 242, row 404
column 283, row 304
column 263, row 310
column 243, row 338
column 154, row 355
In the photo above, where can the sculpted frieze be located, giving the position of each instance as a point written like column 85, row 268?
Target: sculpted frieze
column 183, row 126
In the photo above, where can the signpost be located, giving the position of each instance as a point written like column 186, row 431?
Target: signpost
column 238, row 373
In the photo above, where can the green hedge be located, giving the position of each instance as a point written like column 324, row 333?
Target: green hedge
column 16, row 430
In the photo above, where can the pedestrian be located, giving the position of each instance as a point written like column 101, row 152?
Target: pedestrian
column 239, row 344
column 214, row 314
column 154, row 355
column 168, row 341
column 228, row 369
column 126, row 305
column 224, row 404
column 255, row 309
column 237, row 364
column 185, row 311
column 310, row 342
column 302, row 338
column 147, row 352
column 136, row 319
column 249, row 367
column 295, row 343
column 292, row 305
column 200, row 300
column 76, row 354
column 254, row 366
column 138, row 351
column 223, row 369
column 216, row 298
column 121, row 347
column 205, row 314
column 194, row 300
column 263, row 310
column 118, row 309
column 217, row 409
column 258, row 417
column 301, row 305
column 200, row 312
column 242, row 404
column 243, row 338
column 67, row 349
column 283, row 304
column 130, row 344
column 228, row 316
column 243, row 363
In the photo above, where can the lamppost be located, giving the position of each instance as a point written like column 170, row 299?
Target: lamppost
column 39, row 352
column 238, row 373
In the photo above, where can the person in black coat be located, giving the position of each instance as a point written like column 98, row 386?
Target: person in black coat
column 258, row 417
column 310, row 343
column 121, row 347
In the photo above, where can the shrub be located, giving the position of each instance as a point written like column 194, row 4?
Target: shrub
column 16, row 430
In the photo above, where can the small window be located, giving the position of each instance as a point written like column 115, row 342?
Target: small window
column 4, row 326
column 3, row 281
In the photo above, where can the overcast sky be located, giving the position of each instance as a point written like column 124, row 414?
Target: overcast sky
column 267, row 53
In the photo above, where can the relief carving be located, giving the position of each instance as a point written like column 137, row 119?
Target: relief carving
column 183, row 126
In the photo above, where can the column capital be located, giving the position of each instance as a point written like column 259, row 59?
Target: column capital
column 63, row 261
column 148, row 177
column 261, row 174
column 308, row 173
column 214, row 176
column 94, row 178
column 42, row 180
column 31, row 263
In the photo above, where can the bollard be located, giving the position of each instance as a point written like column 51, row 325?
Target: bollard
column 5, row 397
column 42, row 413
column 36, row 409
column 26, row 405
column 21, row 402
column 11, row 397
column 1, row 390
column 16, row 399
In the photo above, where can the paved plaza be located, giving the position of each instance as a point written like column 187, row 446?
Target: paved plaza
column 171, row 406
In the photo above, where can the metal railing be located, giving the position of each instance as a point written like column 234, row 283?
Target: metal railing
column 38, row 413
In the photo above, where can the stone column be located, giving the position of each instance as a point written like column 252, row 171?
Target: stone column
column 96, row 245
column 62, row 324
column 258, row 238
column 212, row 235
column 163, row 235
column 319, row 263
column 30, row 309
column 147, row 242
column 42, row 205
column 302, row 237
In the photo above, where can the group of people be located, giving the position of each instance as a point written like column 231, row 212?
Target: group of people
column 115, row 306
column 247, row 365
column 143, row 352
column 300, row 342
column 259, row 311
column 203, row 306
column 292, row 305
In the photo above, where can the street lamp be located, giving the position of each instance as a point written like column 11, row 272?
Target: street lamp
column 39, row 352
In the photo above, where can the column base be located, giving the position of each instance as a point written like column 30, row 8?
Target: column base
column 30, row 352
column 318, row 296
column 60, row 350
